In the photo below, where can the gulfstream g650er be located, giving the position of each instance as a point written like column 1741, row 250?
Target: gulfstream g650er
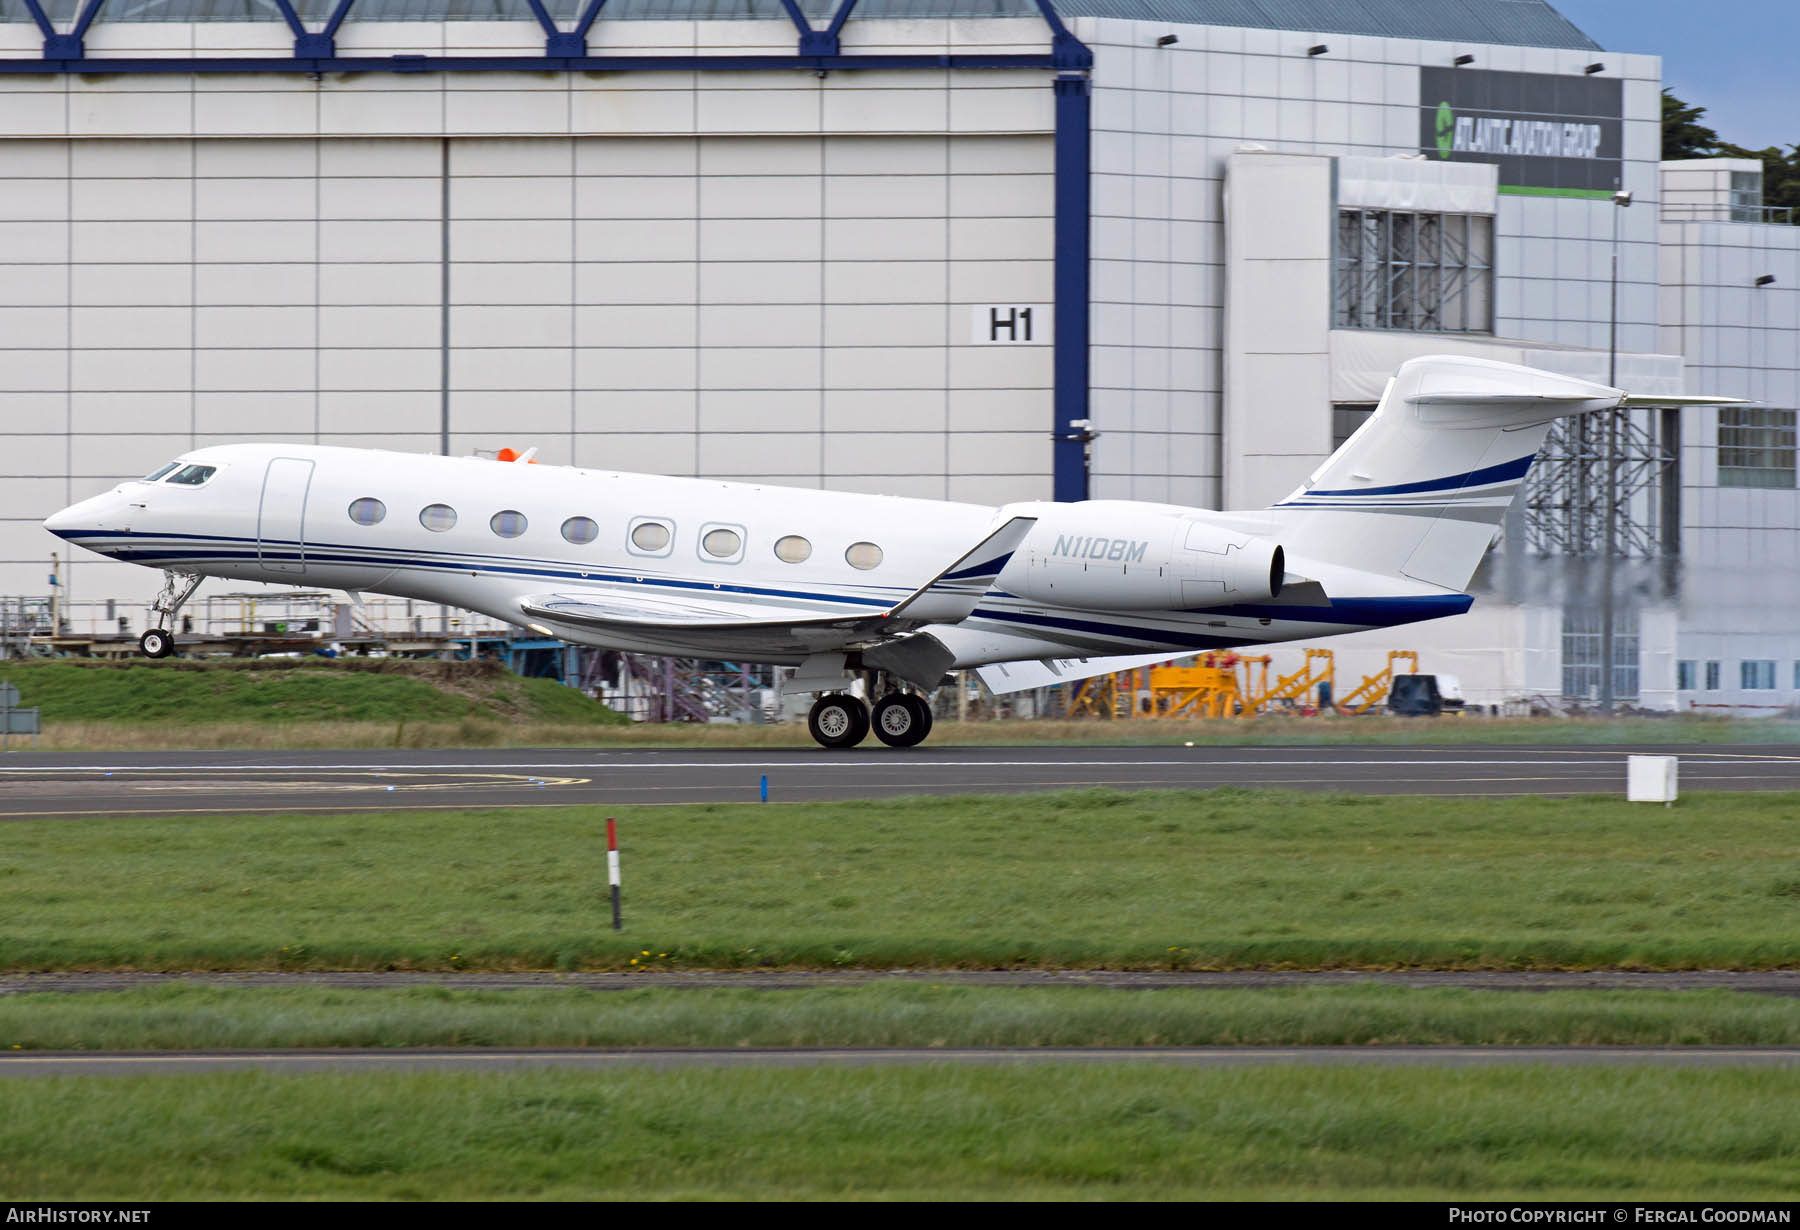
column 893, row 591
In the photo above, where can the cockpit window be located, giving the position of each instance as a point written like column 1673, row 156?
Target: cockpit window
column 192, row 476
column 154, row 475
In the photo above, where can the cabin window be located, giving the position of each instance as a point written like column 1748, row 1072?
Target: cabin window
column 651, row 537
column 722, row 543
column 437, row 517
column 154, row 475
column 508, row 523
column 863, row 555
column 793, row 549
column 367, row 511
column 579, row 530
column 192, row 476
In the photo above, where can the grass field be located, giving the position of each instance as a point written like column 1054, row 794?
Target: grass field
column 358, row 703
column 893, row 1014
column 1059, row 1132
column 1084, row 878
column 88, row 703
column 1220, row 879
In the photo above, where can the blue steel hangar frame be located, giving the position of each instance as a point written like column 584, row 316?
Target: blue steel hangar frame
column 818, row 51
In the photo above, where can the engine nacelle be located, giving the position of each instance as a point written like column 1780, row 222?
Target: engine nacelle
column 1104, row 555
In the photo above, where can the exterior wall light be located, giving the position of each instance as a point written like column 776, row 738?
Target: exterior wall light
column 1767, row 279
column 1593, row 68
column 1167, row 40
column 1317, row 49
column 1464, row 59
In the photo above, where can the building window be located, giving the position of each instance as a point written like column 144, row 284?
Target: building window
column 1757, row 675
column 1712, row 676
column 1346, row 418
column 1432, row 273
column 1581, row 643
column 1746, row 196
column 1756, row 447
column 1684, row 676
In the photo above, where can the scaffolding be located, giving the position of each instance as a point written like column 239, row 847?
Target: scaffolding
column 21, row 619
column 1565, row 505
column 662, row 689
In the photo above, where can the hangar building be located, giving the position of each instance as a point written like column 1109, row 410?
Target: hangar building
column 967, row 249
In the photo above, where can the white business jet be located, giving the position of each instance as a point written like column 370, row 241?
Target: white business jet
column 891, row 592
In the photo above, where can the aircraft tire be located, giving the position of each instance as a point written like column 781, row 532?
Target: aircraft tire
column 902, row 719
column 157, row 643
column 838, row 720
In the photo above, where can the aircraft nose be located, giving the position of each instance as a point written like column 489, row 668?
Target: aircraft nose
column 60, row 523
column 87, row 515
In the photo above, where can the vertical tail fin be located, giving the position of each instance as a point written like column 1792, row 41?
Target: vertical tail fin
column 1421, row 488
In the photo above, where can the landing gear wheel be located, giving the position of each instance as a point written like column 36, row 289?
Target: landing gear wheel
column 156, row 643
column 838, row 720
column 902, row 719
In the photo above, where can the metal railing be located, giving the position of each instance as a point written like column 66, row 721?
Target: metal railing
column 1684, row 211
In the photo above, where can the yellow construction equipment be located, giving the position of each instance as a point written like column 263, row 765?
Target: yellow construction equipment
column 1207, row 689
column 1373, row 690
column 1107, row 696
column 1224, row 684
column 1298, row 690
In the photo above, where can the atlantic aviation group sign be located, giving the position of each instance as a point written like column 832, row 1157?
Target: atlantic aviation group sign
column 1551, row 135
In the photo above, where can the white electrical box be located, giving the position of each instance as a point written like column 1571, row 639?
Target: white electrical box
column 1650, row 779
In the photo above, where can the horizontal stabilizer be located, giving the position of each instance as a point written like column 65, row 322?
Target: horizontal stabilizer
column 1635, row 400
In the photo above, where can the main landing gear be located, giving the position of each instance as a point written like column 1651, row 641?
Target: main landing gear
column 177, row 588
column 839, row 719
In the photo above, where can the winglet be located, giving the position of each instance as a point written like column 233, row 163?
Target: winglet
column 955, row 591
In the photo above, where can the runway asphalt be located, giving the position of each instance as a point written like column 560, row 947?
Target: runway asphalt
column 75, row 784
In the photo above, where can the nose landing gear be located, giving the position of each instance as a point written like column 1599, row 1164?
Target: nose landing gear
column 177, row 588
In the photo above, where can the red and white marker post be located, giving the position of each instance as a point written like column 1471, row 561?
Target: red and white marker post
column 612, row 868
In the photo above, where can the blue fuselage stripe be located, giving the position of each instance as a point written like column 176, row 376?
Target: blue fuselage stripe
column 1501, row 473
column 1344, row 612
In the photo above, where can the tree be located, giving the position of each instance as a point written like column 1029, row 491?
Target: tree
column 1683, row 136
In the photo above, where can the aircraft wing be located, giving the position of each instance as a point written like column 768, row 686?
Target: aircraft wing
column 957, row 590
column 732, row 625
column 728, row 626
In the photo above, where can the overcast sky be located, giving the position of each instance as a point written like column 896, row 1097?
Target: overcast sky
column 1736, row 58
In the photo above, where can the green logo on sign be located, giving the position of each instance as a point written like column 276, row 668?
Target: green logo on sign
column 1446, row 129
